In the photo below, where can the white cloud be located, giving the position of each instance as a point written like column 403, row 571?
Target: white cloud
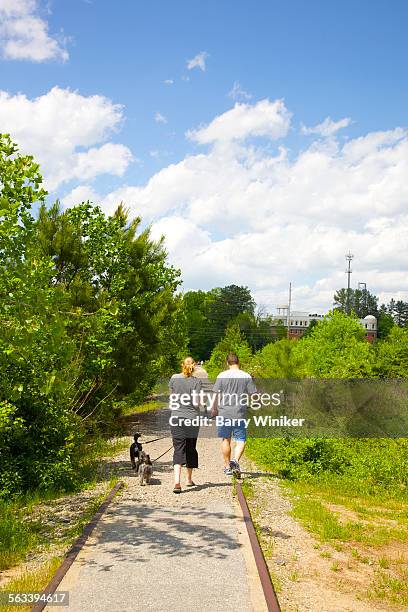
column 79, row 194
column 66, row 133
column 198, row 61
column 253, row 214
column 168, row 82
column 267, row 119
column 256, row 216
column 159, row 118
column 110, row 158
column 327, row 128
column 237, row 93
column 24, row 33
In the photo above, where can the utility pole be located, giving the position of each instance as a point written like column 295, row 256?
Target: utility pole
column 349, row 258
column 363, row 288
column 289, row 305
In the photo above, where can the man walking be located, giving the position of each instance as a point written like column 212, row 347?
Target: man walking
column 233, row 388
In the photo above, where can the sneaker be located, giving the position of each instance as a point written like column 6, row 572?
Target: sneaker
column 227, row 471
column 235, row 469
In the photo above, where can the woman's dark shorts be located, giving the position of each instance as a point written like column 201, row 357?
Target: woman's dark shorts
column 184, row 442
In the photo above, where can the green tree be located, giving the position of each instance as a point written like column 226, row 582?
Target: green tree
column 233, row 341
column 208, row 313
column 277, row 360
column 38, row 433
column 336, row 348
column 399, row 312
column 279, row 331
column 313, row 323
column 226, row 304
column 392, row 354
column 359, row 301
column 256, row 328
column 124, row 314
column 88, row 316
column 385, row 322
column 199, row 328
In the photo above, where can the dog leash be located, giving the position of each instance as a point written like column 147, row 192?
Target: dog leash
column 155, row 440
column 162, row 455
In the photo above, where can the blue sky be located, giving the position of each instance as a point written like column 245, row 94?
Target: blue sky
column 325, row 59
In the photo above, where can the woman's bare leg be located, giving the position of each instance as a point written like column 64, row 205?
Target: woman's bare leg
column 177, row 473
column 189, row 475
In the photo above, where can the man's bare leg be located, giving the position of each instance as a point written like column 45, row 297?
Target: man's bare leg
column 238, row 450
column 226, row 451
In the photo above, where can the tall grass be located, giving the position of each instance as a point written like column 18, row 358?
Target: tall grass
column 17, row 535
column 31, row 581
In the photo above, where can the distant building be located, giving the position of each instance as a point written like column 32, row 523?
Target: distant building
column 300, row 321
column 370, row 327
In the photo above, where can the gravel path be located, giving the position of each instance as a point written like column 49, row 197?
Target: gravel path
column 160, row 551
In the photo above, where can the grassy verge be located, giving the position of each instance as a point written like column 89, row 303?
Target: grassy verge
column 95, row 450
column 328, row 525
column 31, row 581
column 17, row 535
column 375, row 468
column 21, row 530
column 359, row 531
column 21, row 527
column 375, row 535
column 129, row 409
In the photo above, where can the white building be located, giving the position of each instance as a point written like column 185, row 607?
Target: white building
column 300, row 321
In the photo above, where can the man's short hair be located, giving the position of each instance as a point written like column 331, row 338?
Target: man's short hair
column 232, row 359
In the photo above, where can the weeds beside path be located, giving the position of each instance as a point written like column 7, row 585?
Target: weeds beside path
column 351, row 555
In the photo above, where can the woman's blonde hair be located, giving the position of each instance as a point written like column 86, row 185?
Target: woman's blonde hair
column 187, row 366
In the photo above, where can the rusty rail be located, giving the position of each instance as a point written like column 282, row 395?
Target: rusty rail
column 267, row 586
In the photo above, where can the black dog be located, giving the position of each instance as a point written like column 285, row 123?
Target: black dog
column 136, row 452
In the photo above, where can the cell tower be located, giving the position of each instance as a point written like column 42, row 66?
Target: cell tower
column 349, row 258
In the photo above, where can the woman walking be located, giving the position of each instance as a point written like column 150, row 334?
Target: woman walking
column 184, row 389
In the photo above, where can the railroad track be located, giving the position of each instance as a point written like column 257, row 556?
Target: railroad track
column 264, row 576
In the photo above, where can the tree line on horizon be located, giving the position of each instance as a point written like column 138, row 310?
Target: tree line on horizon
column 362, row 302
column 210, row 313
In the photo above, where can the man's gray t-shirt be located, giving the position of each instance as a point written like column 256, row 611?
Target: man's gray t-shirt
column 235, row 388
column 180, row 385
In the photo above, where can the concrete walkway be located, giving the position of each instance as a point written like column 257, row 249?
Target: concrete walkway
column 161, row 552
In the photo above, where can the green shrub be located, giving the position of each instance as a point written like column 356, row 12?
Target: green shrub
column 353, row 466
column 277, row 360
